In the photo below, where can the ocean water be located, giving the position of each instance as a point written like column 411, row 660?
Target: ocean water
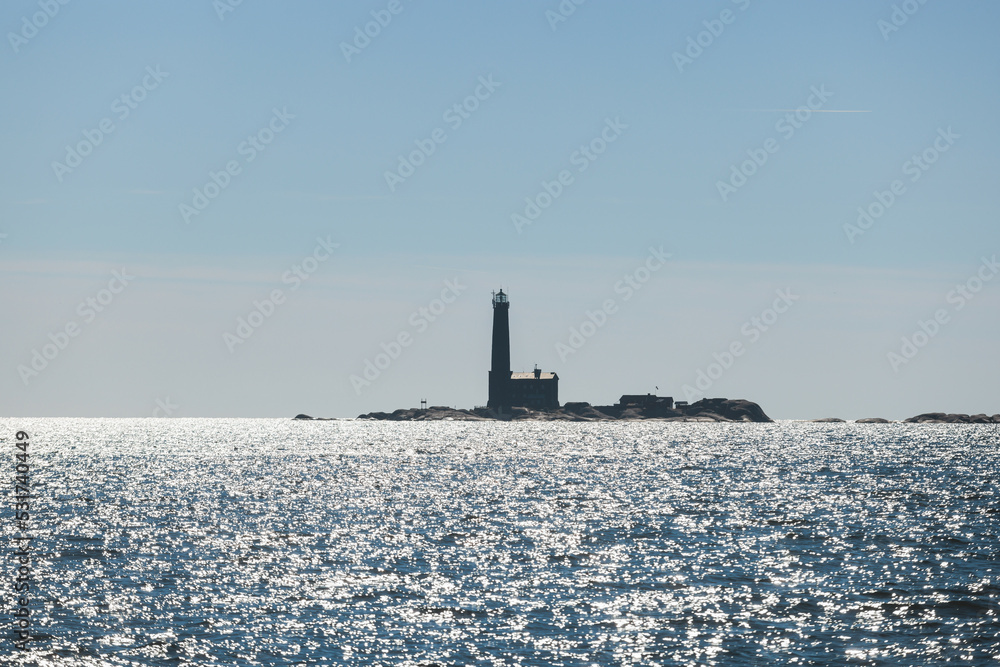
column 274, row 542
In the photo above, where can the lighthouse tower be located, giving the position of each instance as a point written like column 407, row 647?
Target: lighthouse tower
column 500, row 367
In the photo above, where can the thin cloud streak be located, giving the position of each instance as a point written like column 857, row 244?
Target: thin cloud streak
column 815, row 110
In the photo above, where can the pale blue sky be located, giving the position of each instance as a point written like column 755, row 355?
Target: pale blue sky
column 680, row 133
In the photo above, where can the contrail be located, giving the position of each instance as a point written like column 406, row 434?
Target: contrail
column 817, row 110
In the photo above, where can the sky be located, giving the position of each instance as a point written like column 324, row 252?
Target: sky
column 260, row 209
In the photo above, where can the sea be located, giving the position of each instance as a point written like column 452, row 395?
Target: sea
column 282, row 542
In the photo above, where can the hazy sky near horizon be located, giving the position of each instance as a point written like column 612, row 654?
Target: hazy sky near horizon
column 823, row 177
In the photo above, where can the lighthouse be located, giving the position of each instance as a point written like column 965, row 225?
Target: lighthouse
column 500, row 367
column 535, row 390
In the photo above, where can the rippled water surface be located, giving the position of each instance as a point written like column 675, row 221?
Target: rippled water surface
column 274, row 542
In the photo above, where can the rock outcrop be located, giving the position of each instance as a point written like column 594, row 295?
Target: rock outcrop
column 944, row 418
column 873, row 420
column 433, row 413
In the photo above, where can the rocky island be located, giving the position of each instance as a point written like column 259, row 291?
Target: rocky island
column 705, row 410
column 630, row 408
column 534, row 396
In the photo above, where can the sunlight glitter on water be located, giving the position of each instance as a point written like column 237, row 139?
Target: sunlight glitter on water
column 265, row 542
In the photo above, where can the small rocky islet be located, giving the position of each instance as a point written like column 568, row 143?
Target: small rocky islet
column 926, row 418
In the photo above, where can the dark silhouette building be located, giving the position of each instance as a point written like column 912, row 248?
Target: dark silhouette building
column 535, row 390
column 645, row 401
